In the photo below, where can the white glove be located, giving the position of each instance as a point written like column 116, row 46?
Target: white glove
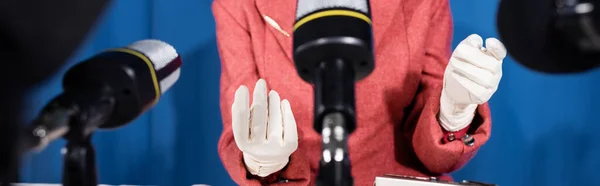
column 266, row 132
column 471, row 77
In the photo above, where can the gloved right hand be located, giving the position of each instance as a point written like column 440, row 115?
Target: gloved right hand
column 266, row 132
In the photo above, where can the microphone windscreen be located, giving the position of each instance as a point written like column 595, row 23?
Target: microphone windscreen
column 528, row 29
column 164, row 57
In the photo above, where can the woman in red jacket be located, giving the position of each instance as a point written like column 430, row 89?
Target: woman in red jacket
column 421, row 112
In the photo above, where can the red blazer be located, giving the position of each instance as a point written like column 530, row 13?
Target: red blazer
column 397, row 105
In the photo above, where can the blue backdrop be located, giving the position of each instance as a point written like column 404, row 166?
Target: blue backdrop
column 542, row 133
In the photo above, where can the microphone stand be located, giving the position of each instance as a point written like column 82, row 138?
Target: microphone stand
column 79, row 166
column 79, row 160
column 335, row 119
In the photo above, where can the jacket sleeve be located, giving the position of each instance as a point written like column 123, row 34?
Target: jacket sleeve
column 238, row 67
column 437, row 155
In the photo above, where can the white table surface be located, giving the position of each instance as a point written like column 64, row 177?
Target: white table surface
column 47, row 184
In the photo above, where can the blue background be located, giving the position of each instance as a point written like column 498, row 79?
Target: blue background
column 543, row 131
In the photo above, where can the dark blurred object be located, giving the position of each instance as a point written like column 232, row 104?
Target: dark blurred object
column 551, row 36
column 36, row 38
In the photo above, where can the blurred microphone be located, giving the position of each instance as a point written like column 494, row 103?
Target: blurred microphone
column 107, row 91
column 551, row 36
column 333, row 48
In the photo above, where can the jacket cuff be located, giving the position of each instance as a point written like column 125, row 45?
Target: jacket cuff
column 451, row 136
column 270, row 179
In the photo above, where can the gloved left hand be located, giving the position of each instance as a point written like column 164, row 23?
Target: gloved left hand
column 471, row 78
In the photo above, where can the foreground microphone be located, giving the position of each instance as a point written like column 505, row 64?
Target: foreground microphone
column 551, row 36
column 333, row 48
column 110, row 89
column 106, row 91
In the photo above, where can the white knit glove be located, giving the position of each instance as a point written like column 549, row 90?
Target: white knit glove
column 471, row 78
column 266, row 132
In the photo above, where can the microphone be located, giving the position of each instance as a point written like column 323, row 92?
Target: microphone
column 556, row 37
column 108, row 90
column 333, row 48
column 105, row 91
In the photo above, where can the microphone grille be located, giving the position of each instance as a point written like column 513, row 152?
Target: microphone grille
column 306, row 7
column 159, row 52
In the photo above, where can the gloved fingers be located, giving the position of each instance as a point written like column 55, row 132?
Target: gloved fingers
column 275, row 126
column 478, row 57
column 259, row 112
column 495, row 48
column 240, row 115
column 478, row 94
column 290, row 133
column 473, row 40
column 474, row 73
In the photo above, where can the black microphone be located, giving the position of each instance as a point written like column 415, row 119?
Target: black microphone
column 111, row 89
column 333, row 48
column 557, row 37
column 105, row 91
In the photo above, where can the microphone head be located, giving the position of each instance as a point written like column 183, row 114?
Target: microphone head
column 326, row 31
column 542, row 37
column 135, row 77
